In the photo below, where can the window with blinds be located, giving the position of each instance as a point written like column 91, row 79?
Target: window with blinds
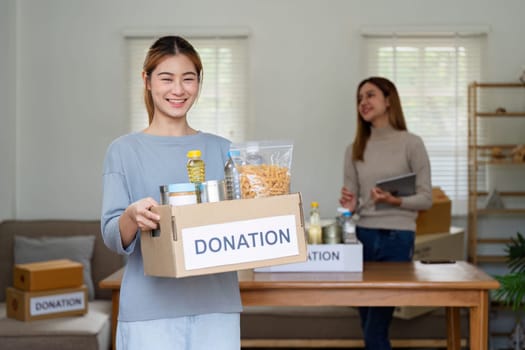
column 222, row 104
column 432, row 73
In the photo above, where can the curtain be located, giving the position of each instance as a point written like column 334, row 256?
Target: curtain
column 432, row 73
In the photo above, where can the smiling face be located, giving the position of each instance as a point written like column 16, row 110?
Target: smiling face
column 174, row 87
column 373, row 105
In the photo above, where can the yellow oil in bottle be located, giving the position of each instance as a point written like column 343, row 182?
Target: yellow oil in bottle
column 195, row 166
column 315, row 233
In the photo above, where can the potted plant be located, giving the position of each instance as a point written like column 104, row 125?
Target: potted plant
column 512, row 285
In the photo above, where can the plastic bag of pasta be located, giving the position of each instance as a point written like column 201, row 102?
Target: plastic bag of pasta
column 264, row 167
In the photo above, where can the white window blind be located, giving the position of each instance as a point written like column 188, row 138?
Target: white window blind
column 432, row 74
column 222, row 104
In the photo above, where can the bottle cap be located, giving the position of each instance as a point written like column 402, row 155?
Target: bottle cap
column 194, row 153
column 234, row 153
column 314, row 204
column 347, row 214
column 342, row 210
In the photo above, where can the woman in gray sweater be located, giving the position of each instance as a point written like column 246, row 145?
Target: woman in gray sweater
column 383, row 148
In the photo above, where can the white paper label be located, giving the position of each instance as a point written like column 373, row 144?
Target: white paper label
column 325, row 257
column 240, row 242
column 51, row 304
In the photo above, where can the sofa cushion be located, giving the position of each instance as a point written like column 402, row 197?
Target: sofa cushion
column 90, row 331
column 77, row 248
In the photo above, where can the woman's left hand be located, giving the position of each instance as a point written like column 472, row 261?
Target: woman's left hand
column 348, row 199
column 380, row 196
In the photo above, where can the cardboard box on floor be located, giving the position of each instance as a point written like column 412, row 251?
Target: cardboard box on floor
column 225, row 236
column 438, row 218
column 437, row 246
column 29, row 306
column 46, row 275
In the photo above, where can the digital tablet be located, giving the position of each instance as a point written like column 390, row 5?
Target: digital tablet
column 399, row 186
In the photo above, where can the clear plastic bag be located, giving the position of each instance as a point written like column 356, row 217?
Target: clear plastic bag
column 264, row 167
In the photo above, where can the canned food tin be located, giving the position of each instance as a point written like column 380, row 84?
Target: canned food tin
column 182, row 194
column 164, row 194
column 212, row 191
column 332, row 233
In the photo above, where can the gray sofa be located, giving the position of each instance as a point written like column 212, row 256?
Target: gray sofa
column 88, row 332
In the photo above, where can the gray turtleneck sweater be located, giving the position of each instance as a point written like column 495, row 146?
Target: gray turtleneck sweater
column 389, row 153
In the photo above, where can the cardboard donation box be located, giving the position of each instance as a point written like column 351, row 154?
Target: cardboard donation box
column 438, row 218
column 47, row 275
column 29, row 306
column 441, row 246
column 230, row 235
column 437, row 246
column 325, row 257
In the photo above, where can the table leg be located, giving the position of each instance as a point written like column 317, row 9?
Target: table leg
column 115, row 298
column 479, row 323
column 453, row 328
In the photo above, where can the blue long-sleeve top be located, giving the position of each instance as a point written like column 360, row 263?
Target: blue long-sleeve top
column 134, row 167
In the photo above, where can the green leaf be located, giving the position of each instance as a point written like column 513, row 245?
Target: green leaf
column 516, row 254
column 512, row 290
column 512, row 285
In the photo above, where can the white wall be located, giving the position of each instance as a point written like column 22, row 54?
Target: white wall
column 305, row 59
column 7, row 108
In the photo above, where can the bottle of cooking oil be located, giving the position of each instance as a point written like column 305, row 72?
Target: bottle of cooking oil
column 195, row 167
column 315, row 235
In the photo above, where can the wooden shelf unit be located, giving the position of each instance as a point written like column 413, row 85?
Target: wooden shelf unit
column 480, row 157
column 491, row 259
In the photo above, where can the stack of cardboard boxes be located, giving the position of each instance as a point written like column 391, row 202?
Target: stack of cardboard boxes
column 47, row 289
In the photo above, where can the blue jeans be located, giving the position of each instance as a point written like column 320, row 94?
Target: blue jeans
column 382, row 245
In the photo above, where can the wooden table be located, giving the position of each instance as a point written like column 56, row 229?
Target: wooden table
column 452, row 286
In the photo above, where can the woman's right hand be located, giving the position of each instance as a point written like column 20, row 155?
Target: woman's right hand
column 138, row 216
column 348, row 200
column 140, row 213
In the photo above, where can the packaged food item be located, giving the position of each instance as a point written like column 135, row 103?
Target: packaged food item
column 196, row 167
column 264, row 167
column 315, row 231
column 231, row 176
column 182, row 194
column 349, row 235
column 212, row 191
column 253, row 157
column 164, row 195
